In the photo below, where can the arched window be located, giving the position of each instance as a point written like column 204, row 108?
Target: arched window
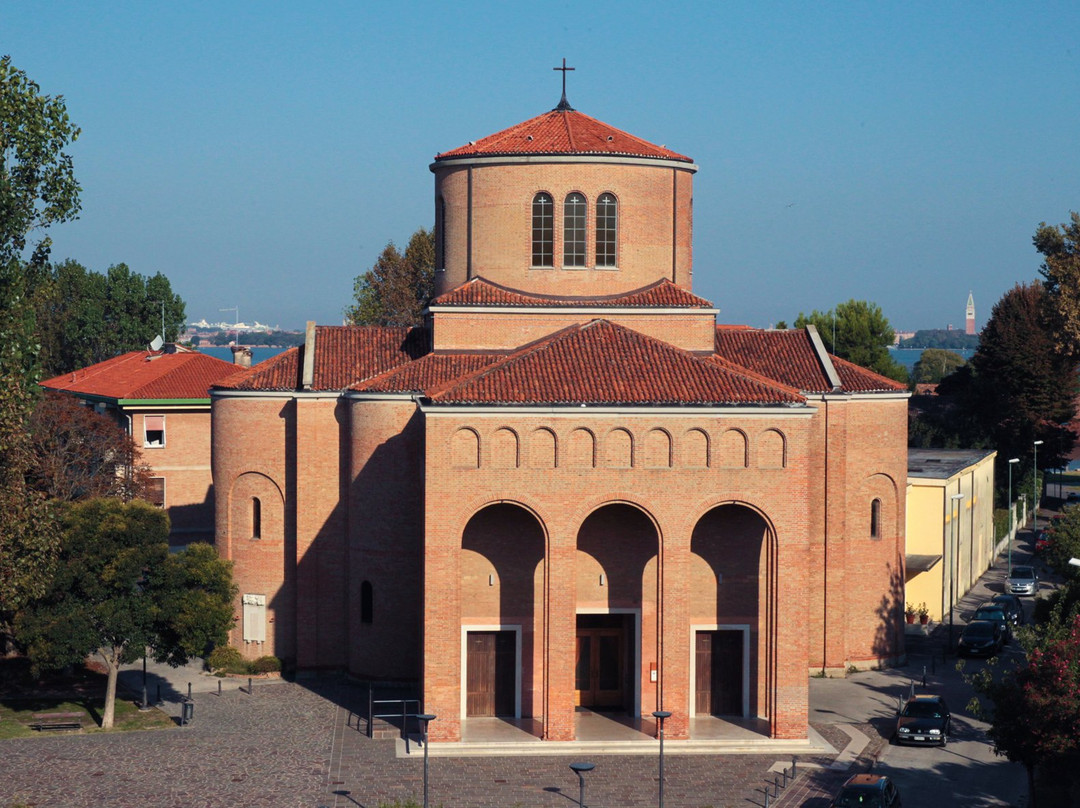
column 543, row 231
column 366, row 602
column 256, row 518
column 607, row 224
column 875, row 519
column 574, row 221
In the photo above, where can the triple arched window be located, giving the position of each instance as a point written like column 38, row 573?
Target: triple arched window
column 575, row 230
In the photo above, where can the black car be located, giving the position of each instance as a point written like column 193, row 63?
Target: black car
column 924, row 720
column 980, row 638
column 867, row 791
column 1011, row 605
column 995, row 614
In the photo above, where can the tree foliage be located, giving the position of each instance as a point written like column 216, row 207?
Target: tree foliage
column 934, row 365
column 117, row 591
column 86, row 317
column 859, row 332
column 948, row 338
column 397, row 289
column 1060, row 248
column 81, row 454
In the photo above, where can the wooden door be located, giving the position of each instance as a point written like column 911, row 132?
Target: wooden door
column 718, row 673
column 599, row 672
column 490, row 668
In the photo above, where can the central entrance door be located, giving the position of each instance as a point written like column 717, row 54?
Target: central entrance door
column 600, row 664
column 718, row 673
column 490, row 663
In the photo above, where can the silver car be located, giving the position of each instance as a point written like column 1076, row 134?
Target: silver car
column 1023, row 581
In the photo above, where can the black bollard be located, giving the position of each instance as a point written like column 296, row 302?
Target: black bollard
column 219, row 688
column 189, row 690
column 924, row 676
column 250, row 691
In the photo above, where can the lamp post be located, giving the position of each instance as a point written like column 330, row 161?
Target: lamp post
column 1035, row 484
column 424, row 719
column 660, row 715
column 1011, row 463
column 580, row 769
column 952, row 572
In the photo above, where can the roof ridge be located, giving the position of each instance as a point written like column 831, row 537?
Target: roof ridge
column 761, row 378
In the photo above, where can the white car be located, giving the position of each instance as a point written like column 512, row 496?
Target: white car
column 1023, row 581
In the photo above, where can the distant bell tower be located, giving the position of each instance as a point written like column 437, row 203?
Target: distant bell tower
column 969, row 317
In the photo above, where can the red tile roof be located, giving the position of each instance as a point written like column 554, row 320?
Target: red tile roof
column 345, row 355
column 602, row 363
column 661, row 294
column 562, row 131
column 147, row 375
column 789, row 357
column 427, row 372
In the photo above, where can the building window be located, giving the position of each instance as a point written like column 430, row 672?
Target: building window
column 155, row 491
column 875, row 519
column 153, row 431
column 606, row 230
column 543, row 231
column 254, row 618
column 256, row 518
column 366, row 602
column 574, row 220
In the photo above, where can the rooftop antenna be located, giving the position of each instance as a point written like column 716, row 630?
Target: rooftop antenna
column 564, row 104
column 162, row 303
column 236, row 314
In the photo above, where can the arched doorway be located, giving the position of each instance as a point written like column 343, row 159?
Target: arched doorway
column 730, row 613
column 616, row 607
column 502, row 580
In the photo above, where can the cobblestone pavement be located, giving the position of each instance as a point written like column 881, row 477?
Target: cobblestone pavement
column 289, row 745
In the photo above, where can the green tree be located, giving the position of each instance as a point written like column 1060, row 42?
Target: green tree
column 397, row 289
column 118, row 591
column 86, row 317
column 858, row 332
column 934, row 365
column 1060, row 248
column 37, row 189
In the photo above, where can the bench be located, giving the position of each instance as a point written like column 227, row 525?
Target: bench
column 49, row 721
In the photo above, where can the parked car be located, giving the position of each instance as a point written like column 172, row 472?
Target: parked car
column 980, row 638
column 995, row 614
column 924, row 719
column 1043, row 539
column 867, row 791
column 1012, row 607
column 1073, row 496
column 1023, row 581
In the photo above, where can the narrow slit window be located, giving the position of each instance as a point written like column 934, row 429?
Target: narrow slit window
column 875, row 519
column 543, row 231
column 366, row 602
column 256, row 518
column 607, row 224
column 574, row 223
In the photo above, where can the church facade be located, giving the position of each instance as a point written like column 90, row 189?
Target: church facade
column 570, row 488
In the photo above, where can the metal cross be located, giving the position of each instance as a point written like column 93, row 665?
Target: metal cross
column 563, row 104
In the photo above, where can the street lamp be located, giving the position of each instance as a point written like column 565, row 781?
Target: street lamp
column 424, row 719
column 1035, row 485
column 952, row 572
column 660, row 715
column 1011, row 462
column 580, row 769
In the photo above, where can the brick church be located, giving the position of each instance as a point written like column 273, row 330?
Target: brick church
column 570, row 489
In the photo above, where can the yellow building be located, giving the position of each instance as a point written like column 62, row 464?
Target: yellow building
column 950, row 525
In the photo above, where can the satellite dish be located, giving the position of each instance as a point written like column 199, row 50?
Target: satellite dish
column 156, row 344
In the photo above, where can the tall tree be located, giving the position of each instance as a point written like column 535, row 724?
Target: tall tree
column 37, row 189
column 1060, row 248
column 81, row 454
column 397, row 289
column 934, row 365
column 118, row 591
column 859, row 332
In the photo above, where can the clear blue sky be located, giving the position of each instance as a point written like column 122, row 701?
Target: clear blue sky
column 261, row 154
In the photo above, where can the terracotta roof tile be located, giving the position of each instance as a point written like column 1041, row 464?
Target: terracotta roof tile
column 602, row 363
column 661, row 294
column 562, row 132
column 344, row 356
column 147, row 375
column 789, row 357
column 431, row 371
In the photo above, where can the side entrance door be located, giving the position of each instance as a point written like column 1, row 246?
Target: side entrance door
column 599, row 672
column 718, row 674
column 489, row 687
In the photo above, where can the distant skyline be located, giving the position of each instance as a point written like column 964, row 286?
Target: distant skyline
column 261, row 155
